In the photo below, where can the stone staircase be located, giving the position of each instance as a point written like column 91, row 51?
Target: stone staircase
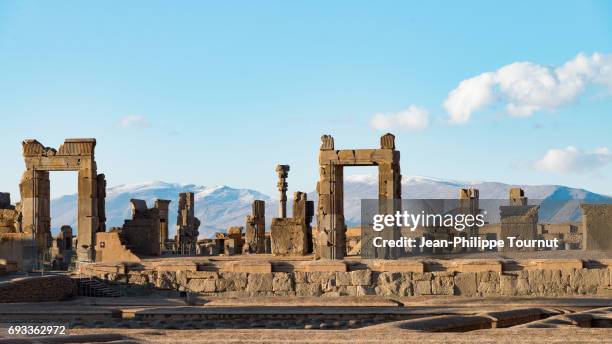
column 94, row 287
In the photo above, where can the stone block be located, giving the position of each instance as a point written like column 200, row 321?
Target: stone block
column 442, row 285
column 202, row 274
column 282, row 282
column 289, row 236
column 361, row 277
column 343, row 278
column 202, row 285
column 466, row 284
column 422, row 288
column 260, row 282
column 323, row 265
column 507, row 284
column 235, row 281
column 397, row 266
column 479, row 266
column 247, row 266
column 320, row 277
column 597, row 226
column 308, row 289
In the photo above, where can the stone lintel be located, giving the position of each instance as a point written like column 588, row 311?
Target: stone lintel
column 356, row 157
column 102, row 268
column 397, row 266
column 477, row 266
column 322, row 266
column 554, row 264
column 176, row 266
column 247, row 266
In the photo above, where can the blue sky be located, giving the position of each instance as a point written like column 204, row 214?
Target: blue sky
column 219, row 92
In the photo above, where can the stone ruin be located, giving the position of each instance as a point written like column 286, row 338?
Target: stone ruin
column 10, row 215
column 329, row 240
column 72, row 155
column 162, row 206
column 255, row 235
column 142, row 235
column 291, row 236
column 62, row 249
column 15, row 245
column 186, row 224
column 518, row 220
column 597, row 227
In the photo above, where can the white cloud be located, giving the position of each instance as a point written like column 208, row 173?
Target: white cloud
column 573, row 160
column 134, row 121
column 526, row 87
column 412, row 119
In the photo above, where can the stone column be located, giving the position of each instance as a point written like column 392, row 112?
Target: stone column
column 330, row 237
column 389, row 191
column 101, row 190
column 162, row 205
column 283, row 172
column 468, row 204
column 259, row 216
column 35, row 208
column 87, row 211
column 303, row 208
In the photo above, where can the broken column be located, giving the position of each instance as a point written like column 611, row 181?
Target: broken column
column 283, row 172
column 468, row 205
column 186, row 224
column 518, row 220
column 101, row 196
column 162, row 206
column 304, row 209
column 256, row 228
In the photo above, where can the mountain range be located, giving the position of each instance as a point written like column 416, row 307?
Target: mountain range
column 220, row 207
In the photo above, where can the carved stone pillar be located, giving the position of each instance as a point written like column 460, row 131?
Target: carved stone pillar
column 283, row 172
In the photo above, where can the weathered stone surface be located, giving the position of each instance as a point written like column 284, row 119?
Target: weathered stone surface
column 507, row 285
column 186, row 224
column 255, row 235
column 236, row 281
column 343, row 278
column 488, row 283
column 260, row 282
column 388, row 283
column 422, row 288
column 597, row 223
column 308, row 289
column 442, row 285
column 466, row 284
column 289, row 236
column 361, row 277
column 202, row 285
column 166, row 280
column 282, row 282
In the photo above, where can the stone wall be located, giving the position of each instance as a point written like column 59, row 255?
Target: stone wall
column 37, row 289
column 539, row 279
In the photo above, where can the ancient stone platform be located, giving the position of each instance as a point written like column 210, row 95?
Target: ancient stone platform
column 250, row 276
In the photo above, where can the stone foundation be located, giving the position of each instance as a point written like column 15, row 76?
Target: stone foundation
column 37, row 289
column 382, row 278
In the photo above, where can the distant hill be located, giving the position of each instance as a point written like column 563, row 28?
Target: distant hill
column 220, row 207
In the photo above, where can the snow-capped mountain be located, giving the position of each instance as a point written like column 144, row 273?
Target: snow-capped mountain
column 217, row 207
column 222, row 206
